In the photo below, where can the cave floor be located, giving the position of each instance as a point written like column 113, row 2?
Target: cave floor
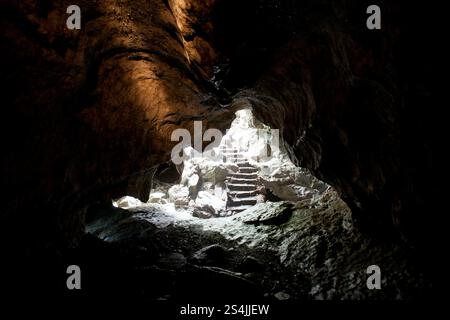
column 273, row 251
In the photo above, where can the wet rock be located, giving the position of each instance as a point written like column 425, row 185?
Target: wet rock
column 273, row 213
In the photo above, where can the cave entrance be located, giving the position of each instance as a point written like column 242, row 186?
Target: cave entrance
column 230, row 174
column 248, row 166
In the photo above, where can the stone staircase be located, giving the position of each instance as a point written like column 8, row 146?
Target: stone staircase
column 242, row 184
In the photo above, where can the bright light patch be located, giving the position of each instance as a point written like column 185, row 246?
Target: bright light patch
column 249, row 166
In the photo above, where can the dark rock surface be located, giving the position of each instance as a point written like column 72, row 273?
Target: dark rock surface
column 210, row 255
column 274, row 213
column 317, row 254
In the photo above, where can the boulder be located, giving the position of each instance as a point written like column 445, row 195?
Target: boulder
column 207, row 200
column 193, row 185
column 211, row 171
column 127, row 202
column 208, row 186
column 210, row 255
column 204, row 213
column 220, row 173
column 290, row 192
column 179, row 195
column 157, row 197
column 273, row 213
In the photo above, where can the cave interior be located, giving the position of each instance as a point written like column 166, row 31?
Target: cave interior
column 311, row 150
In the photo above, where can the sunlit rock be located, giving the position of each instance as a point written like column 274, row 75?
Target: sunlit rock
column 179, row 195
column 157, row 197
column 206, row 199
column 127, row 202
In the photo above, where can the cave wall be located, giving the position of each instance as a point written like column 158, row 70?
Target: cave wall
column 89, row 113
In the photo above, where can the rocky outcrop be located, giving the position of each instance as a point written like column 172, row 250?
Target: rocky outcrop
column 273, row 213
column 309, row 250
column 90, row 113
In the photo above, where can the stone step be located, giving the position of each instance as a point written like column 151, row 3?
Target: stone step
column 239, row 208
column 243, row 163
column 241, row 187
column 241, row 194
column 233, row 160
column 248, row 170
column 233, row 156
column 242, row 201
column 234, row 179
column 228, row 150
column 244, row 175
